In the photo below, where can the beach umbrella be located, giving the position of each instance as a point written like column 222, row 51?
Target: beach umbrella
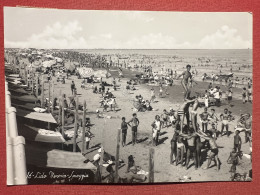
column 86, row 72
column 49, row 63
column 69, row 66
column 36, row 63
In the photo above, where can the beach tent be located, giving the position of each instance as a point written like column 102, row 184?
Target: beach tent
column 46, row 117
column 85, row 72
column 25, row 98
column 45, row 157
column 40, row 135
column 49, row 63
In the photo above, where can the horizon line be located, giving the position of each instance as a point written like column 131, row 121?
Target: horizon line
column 123, row 48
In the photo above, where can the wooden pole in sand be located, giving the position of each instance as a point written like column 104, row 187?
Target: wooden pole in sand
column 37, row 87
column 62, row 115
column 101, row 160
column 49, row 101
column 52, row 97
column 75, row 125
column 117, row 155
column 84, row 129
column 151, row 165
column 49, row 97
column 42, row 93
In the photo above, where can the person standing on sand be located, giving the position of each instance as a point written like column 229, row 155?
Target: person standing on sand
column 186, row 76
column 134, row 125
column 191, row 148
column 157, row 126
column 72, row 86
column 204, row 119
column 174, row 146
column 124, row 128
column 213, row 149
column 225, row 118
column 152, row 95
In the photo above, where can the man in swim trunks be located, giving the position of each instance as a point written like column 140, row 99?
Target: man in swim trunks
column 225, row 118
column 213, row 148
column 204, row 120
column 191, row 148
column 186, row 76
column 194, row 114
column 184, row 110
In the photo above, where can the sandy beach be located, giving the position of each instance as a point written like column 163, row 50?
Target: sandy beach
column 105, row 131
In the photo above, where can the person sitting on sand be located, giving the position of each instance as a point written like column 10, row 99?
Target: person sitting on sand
column 186, row 76
column 148, row 106
column 132, row 172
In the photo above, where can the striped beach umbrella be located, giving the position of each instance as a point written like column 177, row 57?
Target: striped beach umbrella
column 85, row 72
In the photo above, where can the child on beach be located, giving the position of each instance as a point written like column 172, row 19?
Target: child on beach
column 124, row 128
column 233, row 159
column 156, row 128
column 237, row 142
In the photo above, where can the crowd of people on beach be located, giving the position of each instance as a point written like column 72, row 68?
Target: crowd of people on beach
column 195, row 133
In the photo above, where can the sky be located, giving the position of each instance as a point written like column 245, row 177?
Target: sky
column 84, row 29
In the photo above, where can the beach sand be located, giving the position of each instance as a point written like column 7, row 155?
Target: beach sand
column 105, row 130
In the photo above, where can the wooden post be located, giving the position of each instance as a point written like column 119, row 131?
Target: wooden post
column 62, row 115
column 117, row 155
column 75, row 125
column 49, row 97
column 42, row 91
column 32, row 83
column 84, row 129
column 101, row 160
column 52, row 98
column 151, row 165
column 37, row 87
column 49, row 101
